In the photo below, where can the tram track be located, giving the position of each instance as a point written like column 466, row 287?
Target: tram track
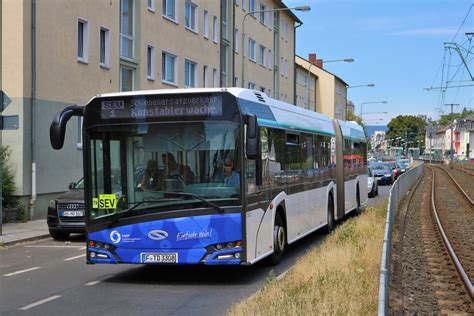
column 467, row 192
column 435, row 249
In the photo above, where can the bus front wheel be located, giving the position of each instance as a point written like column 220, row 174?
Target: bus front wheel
column 279, row 240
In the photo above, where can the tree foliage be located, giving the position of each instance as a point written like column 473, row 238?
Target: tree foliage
column 407, row 127
column 447, row 119
column 8, row 180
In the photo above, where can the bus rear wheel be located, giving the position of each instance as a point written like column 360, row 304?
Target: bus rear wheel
column 331, row 223
column 279, row 240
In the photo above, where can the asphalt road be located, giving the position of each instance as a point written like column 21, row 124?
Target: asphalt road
column 51, row 278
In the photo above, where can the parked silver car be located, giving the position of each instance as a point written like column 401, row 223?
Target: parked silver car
column 372, row 185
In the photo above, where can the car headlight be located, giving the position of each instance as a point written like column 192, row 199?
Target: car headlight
column 388, row 174
column 53, row 204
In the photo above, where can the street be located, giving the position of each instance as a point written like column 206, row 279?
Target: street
column 50, row 277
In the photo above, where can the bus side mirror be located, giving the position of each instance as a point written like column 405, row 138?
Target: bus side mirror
column 57, row 131
column 252, row 143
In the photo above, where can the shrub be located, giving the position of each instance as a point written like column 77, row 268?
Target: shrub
column 8, row 180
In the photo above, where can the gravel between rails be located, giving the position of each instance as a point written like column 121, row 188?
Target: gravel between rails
column 457, row 218
column 464, row 179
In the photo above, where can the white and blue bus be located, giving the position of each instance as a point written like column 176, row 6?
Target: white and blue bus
column 211, row 176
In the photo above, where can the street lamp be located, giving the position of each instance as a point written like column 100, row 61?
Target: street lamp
column 362, row 105
column 346, row 60
column 362, row 85
column 298, row 8
column 375, row 113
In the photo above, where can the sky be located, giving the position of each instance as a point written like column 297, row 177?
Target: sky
column 398, row 46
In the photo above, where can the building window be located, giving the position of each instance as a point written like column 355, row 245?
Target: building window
column 244, row 5
column 206, row 24
column 281, row 66
column 151, row 5
column 270, row 59
column 286, row 68
column 286, row 30
column 150, row 62
column 236, row 40
column 168, row 68
column 262, row 89
column 205, row 76
column 126, row 78
column 82, row 40
column 104, row 47
column 262, row 55
column 169, row 9
column 251, row 6
column 251, row 85
column 262, row 14
column 126, row 29
column 251, row 49
column 214, row 30
column 224, row 32
column 189, row 74
column 190, row 12
column 215, row 79
column 237, row 2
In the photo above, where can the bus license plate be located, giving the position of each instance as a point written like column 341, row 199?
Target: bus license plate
column 167, row 257
column 73, row 213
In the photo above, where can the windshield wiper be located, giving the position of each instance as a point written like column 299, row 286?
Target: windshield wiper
column 137, row 204
column 214, row 205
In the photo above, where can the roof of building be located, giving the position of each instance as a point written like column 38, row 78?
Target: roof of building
column 337, row 77
column 282, row 5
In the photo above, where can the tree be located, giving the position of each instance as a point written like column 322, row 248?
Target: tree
column 407, row 127
column 447, row 119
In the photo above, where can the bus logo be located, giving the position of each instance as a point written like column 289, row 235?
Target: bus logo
column 157, row 234
column 115, row 237
column 113, row 105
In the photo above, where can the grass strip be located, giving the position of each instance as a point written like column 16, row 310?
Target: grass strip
column 340, row 277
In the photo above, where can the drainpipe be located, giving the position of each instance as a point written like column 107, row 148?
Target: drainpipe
column 32, row 110
column 293, row 62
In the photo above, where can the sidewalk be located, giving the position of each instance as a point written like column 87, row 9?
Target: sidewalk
column 13, row 233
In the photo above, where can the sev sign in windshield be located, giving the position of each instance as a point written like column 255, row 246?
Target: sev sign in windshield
column 154, row 107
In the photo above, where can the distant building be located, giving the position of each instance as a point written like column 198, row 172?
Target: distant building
column 330, row 92
column 350, row 107
column 378, row 141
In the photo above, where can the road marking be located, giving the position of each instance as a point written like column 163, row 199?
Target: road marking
column 93, row 283
column 48, row 299
column 21, row 271
column 75, row 257
column 80, row 247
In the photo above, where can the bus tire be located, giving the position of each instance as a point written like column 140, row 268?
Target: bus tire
column 331, row 223
column 358, row 209
column 279, row 240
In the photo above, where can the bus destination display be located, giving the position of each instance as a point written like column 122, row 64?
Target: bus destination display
column 142, row 108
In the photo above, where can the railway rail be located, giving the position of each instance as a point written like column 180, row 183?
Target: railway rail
column 457, row 248
column 434, row 252
column 462, row 189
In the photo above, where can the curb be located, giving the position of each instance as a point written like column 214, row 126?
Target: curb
column 17, row 241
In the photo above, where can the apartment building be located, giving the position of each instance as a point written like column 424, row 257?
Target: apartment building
column 57, row 53
column 329, row 93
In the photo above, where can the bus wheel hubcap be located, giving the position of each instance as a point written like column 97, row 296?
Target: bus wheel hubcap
column 281, row 238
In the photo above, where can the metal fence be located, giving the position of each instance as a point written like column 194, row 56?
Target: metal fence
column 397, row 192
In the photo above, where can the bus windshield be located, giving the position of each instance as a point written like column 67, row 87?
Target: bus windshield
column 141, row 168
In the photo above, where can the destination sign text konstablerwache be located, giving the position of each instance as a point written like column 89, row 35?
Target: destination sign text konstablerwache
column 165, row 107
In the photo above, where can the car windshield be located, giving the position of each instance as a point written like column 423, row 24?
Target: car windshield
column 136, row 165
column 379, row 165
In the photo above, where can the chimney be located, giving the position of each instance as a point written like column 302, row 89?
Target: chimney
column 319, row 63
column 312, row 58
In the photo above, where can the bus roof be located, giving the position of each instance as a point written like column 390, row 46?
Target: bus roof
column 270, row 112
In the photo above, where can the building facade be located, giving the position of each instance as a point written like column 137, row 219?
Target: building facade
column 330, row 92
column 57, row 53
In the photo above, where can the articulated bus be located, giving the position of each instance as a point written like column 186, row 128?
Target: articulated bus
column 223, row 176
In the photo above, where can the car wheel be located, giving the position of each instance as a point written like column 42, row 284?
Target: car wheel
column 279, row 240
column 376, row 190
column 58, row 235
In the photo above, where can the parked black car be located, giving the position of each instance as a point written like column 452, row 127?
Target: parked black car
column 66, row 212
